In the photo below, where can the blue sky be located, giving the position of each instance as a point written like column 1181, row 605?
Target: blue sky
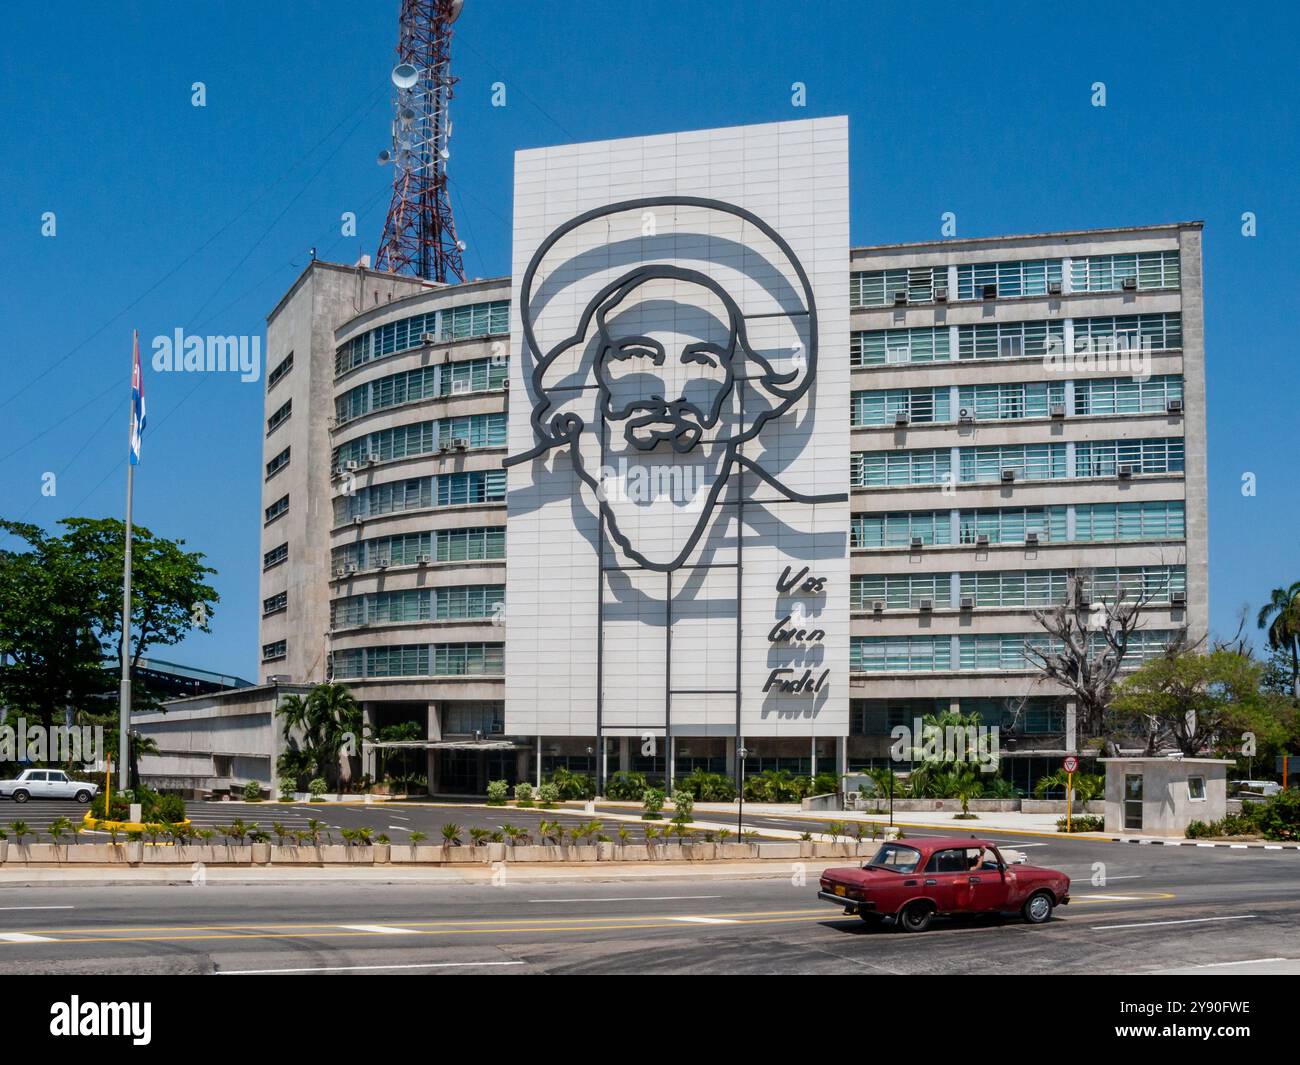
column 173, row 216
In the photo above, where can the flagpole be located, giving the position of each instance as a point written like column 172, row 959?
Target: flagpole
column 124, row 693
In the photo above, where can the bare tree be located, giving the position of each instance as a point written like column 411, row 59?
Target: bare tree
column 1089, row 640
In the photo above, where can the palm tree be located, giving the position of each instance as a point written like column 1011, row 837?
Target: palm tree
column 1281, row 618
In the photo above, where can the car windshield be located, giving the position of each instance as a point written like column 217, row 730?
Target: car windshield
column 897, row 858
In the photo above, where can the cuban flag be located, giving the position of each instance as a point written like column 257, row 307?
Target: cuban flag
column 137, row 402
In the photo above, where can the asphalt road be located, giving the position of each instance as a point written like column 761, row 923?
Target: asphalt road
column 1157, row 909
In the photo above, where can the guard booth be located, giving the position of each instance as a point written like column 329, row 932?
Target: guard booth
column 1162, row 796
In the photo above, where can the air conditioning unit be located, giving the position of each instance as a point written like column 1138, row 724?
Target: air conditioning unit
column 372, row 458
column 989, row 292
column 460, row 443
column 902, row 418
column 967, row 603
column 357, row 519
column 459, row 386
column 423, row 560
column 1009, row 474
column 917, row 543
column 900, row 299
column 982, row 540
column 1174, row 406
column 1031, row 539
column 350, row 568
column 352, row 464
column 1058, row 410
column 965, row 416
column 1129, row 284
column 878, row 607
column 339, row 571
column 1053, row 288
column 925, row 605
column 382, row 563
column 1177, row 598
column 941, row 294
column 1125, row 472
column 428, row 338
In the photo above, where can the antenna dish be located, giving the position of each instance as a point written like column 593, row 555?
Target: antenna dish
column 384, row 157
column 454, row 13
column 405, row 76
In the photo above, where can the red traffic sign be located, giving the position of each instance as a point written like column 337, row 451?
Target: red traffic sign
column 1071, row 764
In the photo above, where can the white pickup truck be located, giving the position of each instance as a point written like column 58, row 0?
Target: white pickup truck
column 46, row 784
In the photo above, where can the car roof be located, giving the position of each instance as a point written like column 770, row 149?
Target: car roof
column 944, row 843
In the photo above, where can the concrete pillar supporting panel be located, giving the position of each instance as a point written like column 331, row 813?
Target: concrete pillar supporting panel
column 841, row 755
column 538, row 766
column 670, row 764
column 1071, row 725
column 624, row 754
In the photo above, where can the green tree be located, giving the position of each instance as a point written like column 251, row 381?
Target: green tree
column 1192, row 701
column 319, row 729
column 1280, row 618
column 60, row 611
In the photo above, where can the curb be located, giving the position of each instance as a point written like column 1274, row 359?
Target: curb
column 1194, row 843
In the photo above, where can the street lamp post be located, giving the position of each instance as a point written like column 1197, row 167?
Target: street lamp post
column 741, row 753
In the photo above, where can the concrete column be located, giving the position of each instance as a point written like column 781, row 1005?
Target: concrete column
column 625, row 754
column 539, row 761
column 841, row 755
column 670, row 764
column 814, row 756
column 1071, row 726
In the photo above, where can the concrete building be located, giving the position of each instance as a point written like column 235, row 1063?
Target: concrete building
column 997, row 446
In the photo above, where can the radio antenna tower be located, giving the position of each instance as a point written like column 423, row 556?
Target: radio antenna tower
column 419, row 233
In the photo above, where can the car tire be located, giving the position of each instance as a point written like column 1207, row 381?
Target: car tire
column 1038, row 907
column 915, row 917
column 83, row 797
column 21, row 796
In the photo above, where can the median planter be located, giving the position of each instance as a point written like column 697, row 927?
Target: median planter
column 261, row 853
column 135, row 852
column 632, row 852
column 383, row 853
column 4, row 849
column 806, row 848
column 729, row 851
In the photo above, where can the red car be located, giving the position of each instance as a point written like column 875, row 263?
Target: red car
column 910, row 882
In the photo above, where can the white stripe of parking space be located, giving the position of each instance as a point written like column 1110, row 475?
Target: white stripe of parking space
column 22, row 937
column 379, row 929
column 704, row 920
column 1162, row 924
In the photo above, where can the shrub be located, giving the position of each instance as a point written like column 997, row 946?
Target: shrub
column 653, row 802
column 1082, row 823
column 707, row 787
column 287, row 787
column 626, row 786
column 683, row 806
column 824, row 784
column 524, row 794
column 775, row 785
column 547, row 796
column 572, row 785
column 252, row 792
column 1278, row 818
column 119, row 807
column 317, row 788
column 497, row 793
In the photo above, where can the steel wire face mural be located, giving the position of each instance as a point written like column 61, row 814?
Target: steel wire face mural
column 664, row 432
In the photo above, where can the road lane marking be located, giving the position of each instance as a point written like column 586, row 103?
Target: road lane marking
column 22, row 937
column 365, row 968
column 37, row 907
column 1157, row 924
column 705, row 920
column 635, row 898
column 379, row 929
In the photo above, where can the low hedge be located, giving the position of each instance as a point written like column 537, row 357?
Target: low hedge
column 1082, row 823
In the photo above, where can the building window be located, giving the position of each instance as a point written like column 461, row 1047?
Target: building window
column 279, row 507
column 1105, row 458
column 464, row 545
column 1108, row 273
column 900, row 654
column 275, row 556
column 1125, row 395
column 1011, row 525
column 1143, row 584
column 920, row 405
column 1016, row 588
column 899, row 591
column 1010, row 340
column 469, row 718
column 898, row 530
column 880, row 469
column 1196, row 789
column 1029, row 462
column 275, row 603
column 455, row 323
column 427, row 382
column 469, row 602
column 279, row 417
column 454, row 659
column 459, row 489
column 1006, row 402
column 1158, row 519
column 879, row 288
column 277, row 464
column 285, row 365
column 1029, row 277
column 880, row 347
column 273, row 651
column 1130, row 332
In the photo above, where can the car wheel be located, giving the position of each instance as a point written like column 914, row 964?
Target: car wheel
column 83, row 797
column 21, row 796
column 1038, row 907
column 916, row 917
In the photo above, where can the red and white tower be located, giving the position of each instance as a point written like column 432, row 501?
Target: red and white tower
column 420, row 234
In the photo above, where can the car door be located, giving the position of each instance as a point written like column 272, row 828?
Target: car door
column 37, row 784
column 944, row 874
column 984, row 887
column 58, row 787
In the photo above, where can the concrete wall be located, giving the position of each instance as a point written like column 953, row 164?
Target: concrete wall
column 1167, row 809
